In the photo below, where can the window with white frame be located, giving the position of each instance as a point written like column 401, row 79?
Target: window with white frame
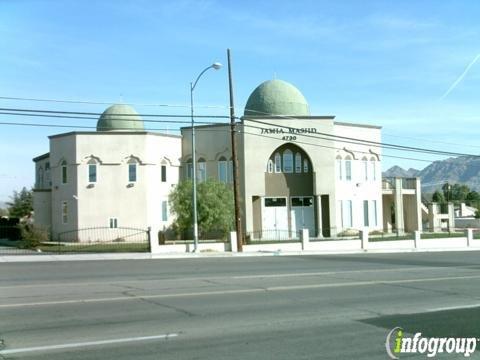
column 163, row 173
column 189, row 169
column 64, row 172
column 230, row 171
column 365, row 168
column 270, row 166
column 374, row 210
column 132, row 171
column 202, row 170
column 64, row 212
column 339, row 168
column 113, row 222
column 373, row 167
column 40, row 177
column 366, row 219
column 348, row 168
column 347, row 215
column 92, row 171
column 305, row 166
column 48, row 177
column 164, row 210
column 278, row 163
column 223, row 170
column 287, row 161
column 298, row 163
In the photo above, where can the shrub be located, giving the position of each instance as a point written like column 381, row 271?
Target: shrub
column 33, row 236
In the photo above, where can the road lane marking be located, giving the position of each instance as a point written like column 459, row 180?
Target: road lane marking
column 458, row 307
column 237, row 277
column 243, row 291
column 87, row 344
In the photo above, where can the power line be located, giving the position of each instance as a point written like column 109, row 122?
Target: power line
column 110, row 118
column 210, row 130
column 109, row 103
column 350, row 140
column 336, row 148
column 116, row 114
column 428, row 140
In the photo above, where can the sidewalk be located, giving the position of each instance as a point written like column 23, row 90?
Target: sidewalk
column 206, row 255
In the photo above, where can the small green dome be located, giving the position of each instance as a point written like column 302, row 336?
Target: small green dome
column 276, row 97
column 120, row 117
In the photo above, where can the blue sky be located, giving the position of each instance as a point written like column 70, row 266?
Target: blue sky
column 387, row 63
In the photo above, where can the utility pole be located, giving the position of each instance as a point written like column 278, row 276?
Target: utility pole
column 236, row 178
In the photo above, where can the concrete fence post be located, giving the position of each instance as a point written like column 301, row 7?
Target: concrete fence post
column 364, row 238
column 416, row 239
column 305, row 239
column 469, row 237
column 232, row 236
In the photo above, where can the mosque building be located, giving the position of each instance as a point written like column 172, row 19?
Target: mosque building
column 296, row 171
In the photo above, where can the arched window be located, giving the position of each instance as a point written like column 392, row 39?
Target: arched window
column 339, row 167
column 365, row 168
column 298, row 163
column 63, row 166
column 40, row 178
column 223, row 170
column 202, row 170
column 373, row 167
column 278, row 163
column 270, row 166
column 163, row 171
column 189, row 169
column 48, row 178
column 348, row 168
column 132, row 170
column 305, row 166
column 92, row 171
column 287, row 161
column 230, row 170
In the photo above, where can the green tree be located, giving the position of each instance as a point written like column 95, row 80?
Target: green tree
column 21, row 204
column 438, row 197
column 215, row 206
column 473, row 198
column 460, row 192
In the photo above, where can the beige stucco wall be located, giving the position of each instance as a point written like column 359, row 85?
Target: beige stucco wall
column 258, row 141
column 358, row 189
column 137, row 204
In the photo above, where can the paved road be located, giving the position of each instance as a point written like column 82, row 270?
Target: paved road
column 308, row 307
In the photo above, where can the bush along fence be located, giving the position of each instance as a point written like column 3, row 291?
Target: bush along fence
column 27, row 239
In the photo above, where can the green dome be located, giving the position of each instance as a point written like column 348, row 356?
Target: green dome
column 276, row 97
column 120, row 117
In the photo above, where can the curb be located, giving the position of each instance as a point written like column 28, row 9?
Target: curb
column 210, row 255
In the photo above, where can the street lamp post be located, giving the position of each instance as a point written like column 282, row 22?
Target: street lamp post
column 215, row 66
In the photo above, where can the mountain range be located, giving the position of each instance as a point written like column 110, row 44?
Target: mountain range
column 461, row 170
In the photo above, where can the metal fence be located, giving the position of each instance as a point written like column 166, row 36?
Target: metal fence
column 88, row 240
column 272, row 236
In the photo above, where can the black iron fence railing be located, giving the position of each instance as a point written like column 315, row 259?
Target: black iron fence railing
column 28, row 239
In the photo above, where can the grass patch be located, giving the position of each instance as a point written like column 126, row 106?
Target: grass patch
column 94, row 248
column 441, row 235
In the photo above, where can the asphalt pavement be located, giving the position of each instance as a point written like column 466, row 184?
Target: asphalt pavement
column 285, row 307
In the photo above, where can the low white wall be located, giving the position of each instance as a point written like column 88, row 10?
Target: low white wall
column 325, row 245
column 185, row 248
column 328, row 245
column 444, row 243
column 297, row 246
column 391, row 245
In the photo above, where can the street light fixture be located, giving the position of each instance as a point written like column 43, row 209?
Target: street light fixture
column 215, row 66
